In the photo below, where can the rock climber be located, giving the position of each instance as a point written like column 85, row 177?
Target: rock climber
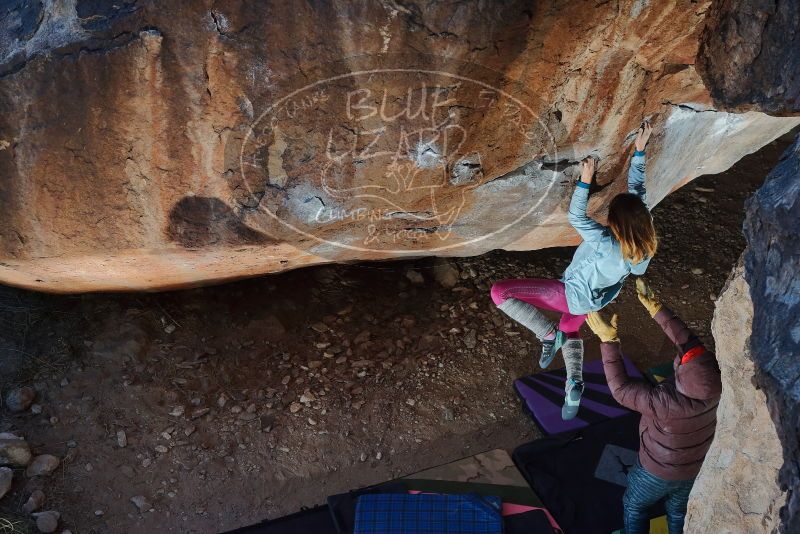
column 602, row 262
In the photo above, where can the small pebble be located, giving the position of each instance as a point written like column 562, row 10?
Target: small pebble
column 20, row 399
column 6, row 477
column 47, row 521
column 141, row 503
column 34, row 502
column 415, row 277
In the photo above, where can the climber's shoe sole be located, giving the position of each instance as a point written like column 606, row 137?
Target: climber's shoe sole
column 572, row 400
column 550, row 349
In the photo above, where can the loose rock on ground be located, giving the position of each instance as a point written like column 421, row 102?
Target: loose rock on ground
column 42, row 465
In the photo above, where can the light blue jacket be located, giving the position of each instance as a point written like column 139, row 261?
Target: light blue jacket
column 598, row 270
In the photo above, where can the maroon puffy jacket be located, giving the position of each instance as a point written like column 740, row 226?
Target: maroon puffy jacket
column 679, row 415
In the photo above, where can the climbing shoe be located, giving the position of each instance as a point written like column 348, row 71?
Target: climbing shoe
column 572, row 400
column 550, row 348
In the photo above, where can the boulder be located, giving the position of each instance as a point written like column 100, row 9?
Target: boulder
column 748, row 63
column 772, row 268
column 167, row 144
column 745, row 57
column 737, row 490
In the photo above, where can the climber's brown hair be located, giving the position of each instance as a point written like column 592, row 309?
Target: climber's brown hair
column 632, row 225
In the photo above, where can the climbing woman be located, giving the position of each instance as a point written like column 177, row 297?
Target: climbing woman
column 602, row 262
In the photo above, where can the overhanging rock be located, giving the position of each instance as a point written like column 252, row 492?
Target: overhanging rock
column 154, row 145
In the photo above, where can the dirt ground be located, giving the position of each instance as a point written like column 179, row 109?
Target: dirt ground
column 249, row 400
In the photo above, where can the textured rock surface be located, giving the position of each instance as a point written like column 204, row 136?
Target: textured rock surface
column 749, row 61
column 42, row 465
column 155, row 145
column 737, row 490
column 6, row 477
column 14, row 450
column 20, row 399
column 749, row 55
column 34, row 502
column 47, row 522
column 772, row 263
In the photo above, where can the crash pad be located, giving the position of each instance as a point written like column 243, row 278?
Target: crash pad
column 509, row 494
column 581, row 476
column 491, row 473
column 533, row 522
column 493, row 468
column 342, row 506
column 426, row 513
column 542, row 395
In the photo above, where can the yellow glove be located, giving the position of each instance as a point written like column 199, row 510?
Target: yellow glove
column 605, row 331
column 647, row 297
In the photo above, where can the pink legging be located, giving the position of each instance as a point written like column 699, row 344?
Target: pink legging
column 544, row 294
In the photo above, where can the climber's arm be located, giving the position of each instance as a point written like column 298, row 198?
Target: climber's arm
column 677, row 331
column 588, row 228
column 632, row 393
column 636, row 172
column 672, row 325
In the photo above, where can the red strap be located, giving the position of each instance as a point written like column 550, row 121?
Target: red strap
column 693, row 353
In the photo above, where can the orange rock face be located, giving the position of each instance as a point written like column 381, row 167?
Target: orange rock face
column 155, row 145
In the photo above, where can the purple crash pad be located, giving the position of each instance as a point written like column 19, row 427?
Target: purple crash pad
column 543, row 395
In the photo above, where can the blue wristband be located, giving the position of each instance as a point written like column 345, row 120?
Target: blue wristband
column 583, row 185
column 638, row 153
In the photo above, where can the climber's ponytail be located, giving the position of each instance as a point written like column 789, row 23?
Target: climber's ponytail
column 632, row 225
